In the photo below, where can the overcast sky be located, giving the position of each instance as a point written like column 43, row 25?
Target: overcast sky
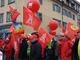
column 78, row 0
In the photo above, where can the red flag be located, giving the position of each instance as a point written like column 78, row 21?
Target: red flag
column 44, row 37
column 30, row 19
column 63, row 29
column 11, row 9
column 36, row 23
column 14, row 44
column 11, row 28
column 13, row 38
column 14, row 13
column 71, row 30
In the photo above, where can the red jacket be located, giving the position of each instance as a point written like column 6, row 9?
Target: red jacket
column 60, row 46
column 1, row 43
column 66, row 50
column 8, row 50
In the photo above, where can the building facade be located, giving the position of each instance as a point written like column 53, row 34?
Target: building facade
column 62, row 11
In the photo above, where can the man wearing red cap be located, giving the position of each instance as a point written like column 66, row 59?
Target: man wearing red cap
column 7, row 48
column 65, row 48
column 76, row 47
column 36, row 50
column 23, row 49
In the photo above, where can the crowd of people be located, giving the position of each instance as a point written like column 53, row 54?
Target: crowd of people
column 61, row 47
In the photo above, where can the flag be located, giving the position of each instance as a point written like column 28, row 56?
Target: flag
column 30, row 19
column 14, row 13
column 27, row 16
column 63, row 29
column 45, row 37
column 36, row 23
column 11, row 9
column 18, row 28
column 13, row 38
column 14, row 44
column 71, row 30
column 11, row 29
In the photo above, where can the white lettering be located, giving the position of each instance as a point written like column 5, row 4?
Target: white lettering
column 43, row 37
column 30, row 4
column 30, row 19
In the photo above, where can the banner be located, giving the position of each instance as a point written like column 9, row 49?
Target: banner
column 30, row 19
column 71, row 30
column 14, row 44
column 14, row 14
column 45, row 37
column 63, row 29
column 18, row 28
column 11, row 29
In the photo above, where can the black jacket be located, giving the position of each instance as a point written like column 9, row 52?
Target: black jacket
column 23, row 49
column 75, row 50
column 51, row 53
column 36, row 51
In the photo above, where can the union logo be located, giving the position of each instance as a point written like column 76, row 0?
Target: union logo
column 74, row 27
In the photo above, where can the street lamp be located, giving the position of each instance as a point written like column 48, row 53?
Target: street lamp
column 62, row 13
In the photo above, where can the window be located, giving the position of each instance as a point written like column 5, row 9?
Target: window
column 73, row 17
column 78, row 24
column 8, row 17
column 59, row 23
column 40, row 2
column 56, row 8
column 1, row 17
column 78, row 17
column 73, row 5
column 64, row 24
column 67, row 2
column 2, row 3
column 11, row 1
column 77, row 8
column 39, row 15
column 64, row 12
column 70, row 14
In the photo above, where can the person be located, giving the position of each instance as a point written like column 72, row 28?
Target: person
column 23, row 49
column 35, row 48
column 52, row 49
column 66, row 48
column 61, row 43
column 75, row 48
column 62, row 40
column 7, row 48
column 55, row 48
column 49, row 51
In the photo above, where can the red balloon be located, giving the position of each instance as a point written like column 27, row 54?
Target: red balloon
column 53, row 25
column 53, row 32
column 33, row 5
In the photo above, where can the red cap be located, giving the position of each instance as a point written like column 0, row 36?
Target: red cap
column 22, row 37
column 32, row 37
